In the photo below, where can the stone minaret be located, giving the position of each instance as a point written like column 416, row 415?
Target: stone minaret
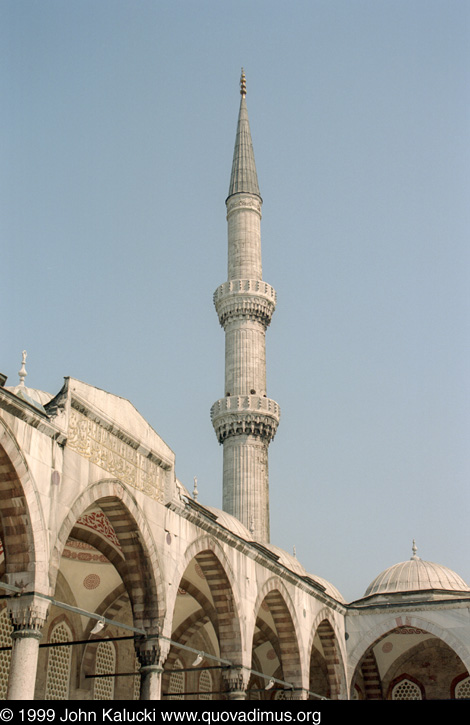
column 245, row 420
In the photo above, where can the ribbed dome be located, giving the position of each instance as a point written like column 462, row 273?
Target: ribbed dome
column 37, row 398
column 287, row 560
column 416, row 575
column 231, row 523
column 329, row 587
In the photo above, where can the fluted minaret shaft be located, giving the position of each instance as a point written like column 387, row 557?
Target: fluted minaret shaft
column 245, row 420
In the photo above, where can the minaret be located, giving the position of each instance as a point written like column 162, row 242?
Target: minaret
column 245, row 420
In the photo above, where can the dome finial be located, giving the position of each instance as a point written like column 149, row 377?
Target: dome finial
column 414, row 549
column 22, row 373
column 243, row 84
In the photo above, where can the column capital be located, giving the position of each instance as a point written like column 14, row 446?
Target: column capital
column 235, row 681
column 151, row 652
column 28, row 614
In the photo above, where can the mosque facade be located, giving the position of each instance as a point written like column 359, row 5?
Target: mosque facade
column 117, row 583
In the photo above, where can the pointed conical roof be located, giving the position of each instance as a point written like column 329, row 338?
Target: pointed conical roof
column 244, row 177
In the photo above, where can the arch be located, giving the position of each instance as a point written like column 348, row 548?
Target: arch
column 277, row 598
column 138, row 565
column 423, row 659
column 220, row 577
column 369, row 638
column 330, row 639
column 23, row 530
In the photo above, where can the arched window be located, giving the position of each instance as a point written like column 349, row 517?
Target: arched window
column 205, row 686
column 462, row 689
column 5, row 656
column 105, row 663
column 406, row 689
column 176, row 687
column 59, row 664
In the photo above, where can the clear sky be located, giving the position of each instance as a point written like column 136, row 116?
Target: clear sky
column 117, row 131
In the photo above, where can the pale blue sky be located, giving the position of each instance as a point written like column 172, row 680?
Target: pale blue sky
column 118, row 125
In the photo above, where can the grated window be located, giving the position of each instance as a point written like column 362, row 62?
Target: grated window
column 205, row 686
column 462, row 690
column 406, row 690
column 58, row 665
column 5, row 656
column 176, row 687
column 105, row 663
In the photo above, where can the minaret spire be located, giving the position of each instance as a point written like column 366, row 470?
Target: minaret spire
column 243, row 177
column 245, row 420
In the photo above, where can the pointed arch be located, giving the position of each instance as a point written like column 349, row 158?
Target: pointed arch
column 222, row 584
column 138, row 564
column 369, row 638
column 277, row 598
column 23, row 529
column 325, row 628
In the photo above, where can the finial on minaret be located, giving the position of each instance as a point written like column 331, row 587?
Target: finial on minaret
column 414, row 549
column 243, row 84
column 195, row 491
column 22, row 373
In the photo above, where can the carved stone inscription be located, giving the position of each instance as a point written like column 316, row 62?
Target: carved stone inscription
column 104, row 448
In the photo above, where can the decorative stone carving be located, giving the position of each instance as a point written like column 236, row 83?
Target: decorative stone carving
column 28, row 615
column 116, row 456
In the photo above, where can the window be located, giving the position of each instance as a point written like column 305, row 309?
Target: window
column 205, row 686
column 462, row 689
column 105, row 663
column 5, row 656
column 406, row 690
column 58, row 665
column 176, row 688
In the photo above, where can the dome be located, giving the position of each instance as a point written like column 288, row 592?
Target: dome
column 231, row 523
column 330, row 589
column 37, row 398
column 416, row 575
column 287, row 560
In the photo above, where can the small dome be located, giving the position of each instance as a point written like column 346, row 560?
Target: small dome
column 416, row 575
column 36, row 398
column 287, row 560
column 329, row 588
column 231, row 523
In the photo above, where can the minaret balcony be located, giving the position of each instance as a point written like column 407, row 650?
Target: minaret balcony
column 245, row 415
column 245, row 298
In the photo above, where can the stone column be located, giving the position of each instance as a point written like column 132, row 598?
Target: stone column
column 235, row 681
column 28, row 615
column 151, row 657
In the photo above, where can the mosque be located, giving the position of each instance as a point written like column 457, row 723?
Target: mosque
column 117, row 583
